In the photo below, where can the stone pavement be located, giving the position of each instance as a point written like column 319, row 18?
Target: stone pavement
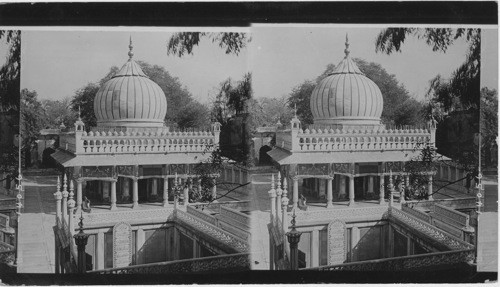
column 488, row 242
column 36, row 238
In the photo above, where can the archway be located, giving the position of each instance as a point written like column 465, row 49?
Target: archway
column 264, row 158
column 47, row 160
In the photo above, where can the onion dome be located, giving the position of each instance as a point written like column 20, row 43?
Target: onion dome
column 347, row 97
column 130, row 99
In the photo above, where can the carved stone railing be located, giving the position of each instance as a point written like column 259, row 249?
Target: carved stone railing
column 417, row 213
column 216, row 206
column 8, row 203
column 159, row 141
column 443, row 213
column 141, row 216
column 241, row 220
column 201, row 215
column 455, row 203
column 404, row 263
column 66, row 239
column 346, row 214
column 7, row 254
column 421, row 228
column 371, row 140
column 211, row 230
column 67, row 141
column 223, row 263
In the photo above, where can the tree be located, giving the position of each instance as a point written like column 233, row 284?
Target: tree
column 300, row 99
column 489, row 126
column 57, row 112
column 193, row 115
column 83, row 101
column 183, row 43
column 232, row 98
column 32, row 121
column 464, row 83
column 9, row 102
column 268, row 111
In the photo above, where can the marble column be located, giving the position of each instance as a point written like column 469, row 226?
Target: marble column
column 449, row 173
column 279, row 192
column 186, row 195
column 165, row 192
column 429, row 188
column 65, row 195
column 135, row 193
column 272, row 196
column 154, row 188
column 79, row 195
column 342, row 189
column 381, row 199
column 113, row 195
column 295, row 196
column 329, row 193
column 351, row 190
column 126, row 189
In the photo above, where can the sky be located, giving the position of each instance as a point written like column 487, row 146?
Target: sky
column 283, row 57
column 57, row 63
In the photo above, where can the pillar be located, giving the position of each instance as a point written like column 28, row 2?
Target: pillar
column 284, row 214
column 342, row 189
column 79, row 195
column 65, row 194
column 126, row 189
column 71, row 208
column 113, row 195
column 58, row 197
column 381, row 199
column 100, row 251
column 354, row 242
column 351, row 190
column 140, row 239
column 295, row 196
column 154, row 188
column 314, row 248
column 429, row 188
column 165, row 192
column 186, row 195
column 214, row 190
column 370, row 184
column 449, row 173
column 135, row 193
column 81, row 239
column 329, row 192
column 279, row 192
column 272, row 196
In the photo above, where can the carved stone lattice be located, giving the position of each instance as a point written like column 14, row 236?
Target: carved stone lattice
column 97, row 171
column 312, row 169
column 122, row 244
column 126, row 170
column 336, row 242
column 346, row 168
column 159, row 215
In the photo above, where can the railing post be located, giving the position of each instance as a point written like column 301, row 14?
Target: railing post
column 71, row 206
column 279, row 192
column 65, row 199
column 81, row 239
column 58, row 197
column 272, row 196
column 294, row 239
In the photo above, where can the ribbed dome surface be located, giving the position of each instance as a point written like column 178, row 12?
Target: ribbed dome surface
column 130, row 98
column 346, row 95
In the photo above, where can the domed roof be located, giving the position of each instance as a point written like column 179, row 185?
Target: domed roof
column 347, row 96
column 130, row 98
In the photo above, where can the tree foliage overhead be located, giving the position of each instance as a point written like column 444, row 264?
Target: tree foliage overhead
column 59, row 111
column 84, row 101
column 462, row 90
column 232, row 98
column 32, row 121
column 183, row 43
column 10, row 70
column 270, row 111
column 489, row 126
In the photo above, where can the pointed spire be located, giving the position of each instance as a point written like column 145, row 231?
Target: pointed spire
column 130, row 47
column 346, row 51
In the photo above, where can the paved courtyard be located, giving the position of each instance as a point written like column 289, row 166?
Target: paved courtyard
column 36, row 238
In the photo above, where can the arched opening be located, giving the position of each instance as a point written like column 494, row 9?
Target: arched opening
column 47, row 160
column 264, row 158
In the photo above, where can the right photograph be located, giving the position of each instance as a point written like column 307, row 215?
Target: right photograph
column 376, row 149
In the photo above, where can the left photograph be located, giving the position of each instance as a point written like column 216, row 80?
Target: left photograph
column 135, row 152
column 11, row 192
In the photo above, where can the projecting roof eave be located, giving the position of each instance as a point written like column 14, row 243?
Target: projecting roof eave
column 284, row 157
column 68, row 160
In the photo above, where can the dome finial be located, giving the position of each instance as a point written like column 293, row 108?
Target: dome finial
column 346, row 51
column 130, row 47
